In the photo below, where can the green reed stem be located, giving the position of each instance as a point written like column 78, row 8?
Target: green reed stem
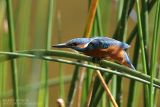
column 12, row 48
column 154, row 54
column 145, row 30
column 61, row 75
column 99, row 21
column 140, row 34
column 32, row 54
column 73, row 86
column 50, row 20
column 135, row 29
column 44, row 74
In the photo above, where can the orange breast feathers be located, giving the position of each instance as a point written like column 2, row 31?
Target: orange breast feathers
column 112, row 53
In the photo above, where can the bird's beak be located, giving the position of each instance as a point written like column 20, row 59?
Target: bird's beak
column 63, row 45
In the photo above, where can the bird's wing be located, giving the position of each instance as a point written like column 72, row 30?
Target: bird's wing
column 106, row 42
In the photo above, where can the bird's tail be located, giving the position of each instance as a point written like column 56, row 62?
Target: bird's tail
column 128, row 61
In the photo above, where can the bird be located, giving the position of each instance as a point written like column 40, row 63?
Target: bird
column 100, row 48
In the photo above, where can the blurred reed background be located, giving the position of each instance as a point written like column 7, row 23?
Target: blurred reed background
column 37, row 24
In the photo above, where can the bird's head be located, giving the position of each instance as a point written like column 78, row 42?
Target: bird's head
column 78, row 44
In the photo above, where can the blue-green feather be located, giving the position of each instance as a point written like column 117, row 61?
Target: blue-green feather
column 105, row 42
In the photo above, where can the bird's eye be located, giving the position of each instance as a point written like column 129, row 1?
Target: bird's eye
column 73, row 44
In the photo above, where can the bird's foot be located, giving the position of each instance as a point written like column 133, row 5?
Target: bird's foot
column 96, row 60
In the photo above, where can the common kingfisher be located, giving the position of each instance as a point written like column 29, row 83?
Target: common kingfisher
column 100, row 48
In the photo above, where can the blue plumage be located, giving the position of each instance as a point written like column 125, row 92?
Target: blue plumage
column 105, row 42
column 100, row 47
column 98, row 42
